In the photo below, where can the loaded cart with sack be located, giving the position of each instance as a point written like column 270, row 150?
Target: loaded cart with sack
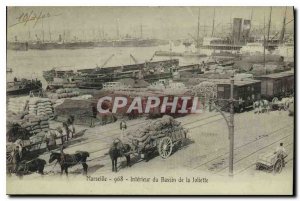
column 162, row 135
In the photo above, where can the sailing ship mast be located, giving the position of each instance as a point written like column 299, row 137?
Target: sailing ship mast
column 118, row 31
column 251, row 18
column 264, row 44
column 43, row 32
column 269, row 26
column 213, row 24
column 198, row 32
column 50, row 38
column 283, row 27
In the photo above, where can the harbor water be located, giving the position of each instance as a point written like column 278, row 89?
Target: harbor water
column 31, row 64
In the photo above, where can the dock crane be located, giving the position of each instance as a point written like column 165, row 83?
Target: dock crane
column 134, row 59
column 105, row 62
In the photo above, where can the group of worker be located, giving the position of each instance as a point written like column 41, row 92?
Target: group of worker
column 64, row 134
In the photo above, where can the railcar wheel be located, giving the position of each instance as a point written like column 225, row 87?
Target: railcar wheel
column 278, row 166
column 165, row 147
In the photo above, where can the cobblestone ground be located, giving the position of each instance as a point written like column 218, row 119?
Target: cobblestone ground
column 204, row 153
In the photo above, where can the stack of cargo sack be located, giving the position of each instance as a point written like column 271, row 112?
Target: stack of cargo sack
column 36, row 124
column 154, row 130
column 41, row 107
column 17, row 105
column 64, row 93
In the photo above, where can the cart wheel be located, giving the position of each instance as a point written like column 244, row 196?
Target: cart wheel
column 278, row 166
column 165, row 147
column 9, row 157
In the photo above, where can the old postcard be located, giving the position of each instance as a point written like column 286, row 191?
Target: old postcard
column 150, row 100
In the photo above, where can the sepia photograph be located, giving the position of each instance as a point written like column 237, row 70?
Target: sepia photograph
column 150, row 100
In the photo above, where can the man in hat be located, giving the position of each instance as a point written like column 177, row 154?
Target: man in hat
column 123, row 127
column 50, row 140
column 281, row 153
column 60, row 134
column 280, row 149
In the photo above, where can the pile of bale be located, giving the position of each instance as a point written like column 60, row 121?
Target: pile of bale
column 205, row 89
column 33, row 128
column 40, row 107
column 164, row 126
column 33, row 116
column 15, row 118
column 36, row 124
column 37, row 138
column 64, row 93
column 17, row 105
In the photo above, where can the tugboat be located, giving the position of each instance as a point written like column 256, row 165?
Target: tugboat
column 23, row 86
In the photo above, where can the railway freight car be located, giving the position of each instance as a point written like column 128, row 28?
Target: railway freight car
column 245, row 91
column 276, row 85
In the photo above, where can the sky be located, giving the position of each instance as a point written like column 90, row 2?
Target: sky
column 158, row 22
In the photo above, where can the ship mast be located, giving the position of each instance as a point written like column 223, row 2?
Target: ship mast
column 118, row 31
column 283, row 28
column 264, row 44
column 43, row 32
column 269, row 26
column 198, row 32
column 251, row 17
column 213, row 24
column 50, row 39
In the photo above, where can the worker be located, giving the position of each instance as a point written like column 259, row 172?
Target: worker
column 281, row 153
column 60, row 134
column 123, row 127
column 65, row 126
column 280, row 150
column 31, row 94
column 50, row 140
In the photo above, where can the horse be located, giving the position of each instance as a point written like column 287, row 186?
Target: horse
column 35, row 165
column 261, row 106
column 68, row 160
column 117, row 150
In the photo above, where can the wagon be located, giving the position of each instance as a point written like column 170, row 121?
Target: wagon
column 271, row 162
column 164, row 142
column 282, row 104
column 29, row 149
column 276, row 85
column 32, row 147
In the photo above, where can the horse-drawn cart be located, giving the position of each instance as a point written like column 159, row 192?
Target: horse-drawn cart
column 282, row 104
column 163, row 142
column 26, row 148
column 162, row 135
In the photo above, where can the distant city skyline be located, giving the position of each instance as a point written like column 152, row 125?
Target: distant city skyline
column 88, row 23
